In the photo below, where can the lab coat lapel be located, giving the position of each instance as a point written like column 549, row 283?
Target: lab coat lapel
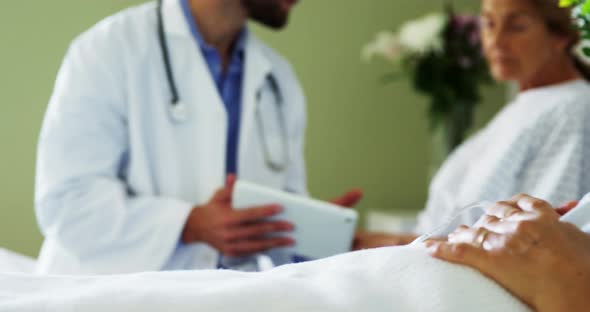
column 188, row 59
column 197, row 90
column 257, row 68
column 174, row 21
column 206, row 127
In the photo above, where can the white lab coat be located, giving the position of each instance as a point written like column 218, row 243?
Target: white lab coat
column 116, row 177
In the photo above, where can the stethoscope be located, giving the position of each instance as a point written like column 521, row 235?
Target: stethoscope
column 179, row 113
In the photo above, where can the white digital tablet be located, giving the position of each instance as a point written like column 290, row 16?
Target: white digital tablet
column 321, row 230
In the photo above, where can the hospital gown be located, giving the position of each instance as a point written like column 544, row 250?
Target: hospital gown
column 539, row 144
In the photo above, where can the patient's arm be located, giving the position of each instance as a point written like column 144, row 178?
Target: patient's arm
column 367, row 240
column 523, row 246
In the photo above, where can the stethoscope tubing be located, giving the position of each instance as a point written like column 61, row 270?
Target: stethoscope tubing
column 166, row 57
column 178, row 112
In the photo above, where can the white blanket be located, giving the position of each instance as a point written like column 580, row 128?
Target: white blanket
column 387, row 279
column 13, row 262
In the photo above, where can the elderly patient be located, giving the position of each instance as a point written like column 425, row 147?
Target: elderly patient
column 536, row 261
column 539, row 143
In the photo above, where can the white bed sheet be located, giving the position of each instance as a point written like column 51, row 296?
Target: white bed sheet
column 13, row 262
column 387, row 279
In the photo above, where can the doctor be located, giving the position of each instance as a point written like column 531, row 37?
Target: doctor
column 152, row 109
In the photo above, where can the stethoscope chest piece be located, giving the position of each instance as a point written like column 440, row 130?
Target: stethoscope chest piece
column 178, row 112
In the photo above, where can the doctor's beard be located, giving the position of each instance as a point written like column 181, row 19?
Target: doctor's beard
column 271, row 13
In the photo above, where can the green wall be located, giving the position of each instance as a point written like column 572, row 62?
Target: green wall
column 361, row 133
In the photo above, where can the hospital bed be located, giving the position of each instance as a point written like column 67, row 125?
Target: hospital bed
column 392, row 279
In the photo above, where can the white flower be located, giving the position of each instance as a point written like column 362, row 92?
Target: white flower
column 578, row 51
column 385, row 45
column 424, row 34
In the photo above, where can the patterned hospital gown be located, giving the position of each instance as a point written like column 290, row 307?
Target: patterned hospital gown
column 539, row 144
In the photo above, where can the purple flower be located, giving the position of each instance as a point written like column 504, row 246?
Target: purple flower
column 462, row 40
column 467, row 26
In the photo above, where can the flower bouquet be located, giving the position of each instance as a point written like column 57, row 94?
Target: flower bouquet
column 581, row 12
column 441, row 53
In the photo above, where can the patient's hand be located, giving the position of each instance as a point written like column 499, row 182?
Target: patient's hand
column 366, row 240
column 523, row 246
column 565, row 208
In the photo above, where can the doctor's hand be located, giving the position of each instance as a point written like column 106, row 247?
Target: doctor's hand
column 523, row 246
column 348, row 199
column 364, row 239
column 235, row 233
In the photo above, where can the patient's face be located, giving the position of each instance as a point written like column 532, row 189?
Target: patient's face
column 517, row 42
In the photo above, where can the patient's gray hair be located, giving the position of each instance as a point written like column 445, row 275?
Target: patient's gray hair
column 560, row 22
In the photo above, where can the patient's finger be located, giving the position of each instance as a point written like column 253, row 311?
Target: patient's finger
column 489, row 240
column 527, row 231
column 486, row 220
column 478, row 237
column 495, row 224
column 465, row 254
column 532, row 204
column 464, row 235
column 565, row 208
column 502, row 226
column 508, row 210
